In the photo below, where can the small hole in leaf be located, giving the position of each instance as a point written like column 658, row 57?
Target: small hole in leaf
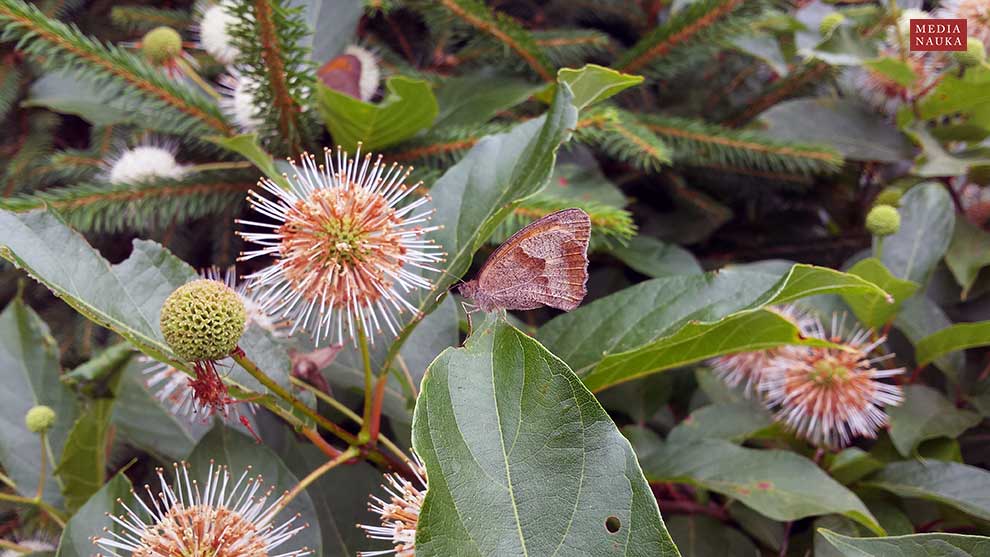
column 612, row 524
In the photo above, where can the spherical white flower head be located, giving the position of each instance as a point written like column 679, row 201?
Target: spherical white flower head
column 214, row 34
column 398, row 511
column 144, row 163
column 345, row 244
column 212, row 518
column 370, row 73
column 238, row 101
column 830, row 396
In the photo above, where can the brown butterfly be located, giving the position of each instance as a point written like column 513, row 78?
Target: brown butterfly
column 343, row 74
column 544, row 264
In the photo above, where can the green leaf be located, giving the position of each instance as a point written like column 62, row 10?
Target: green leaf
column 408, row 107
column 874, row 311
column 927, row 219
column 934, row 161
column 670, row 322
column 592, row 83
column 522, row 460
column 926, row 414
column 915, row 545
column 92, row 519
column 83, row 465
column 856, row 131
column 969, row 251
column 734, row 422
column 102, row 369
column 655, row 259
column 126, row 298
column 703, row 536
column 852, row 464
column 475, row 99
column 29, row 371
column 333, row 24
column 225, row 447
column 141, row 419
column 961, row 486
column 950, row 339
column 968, row 94
column 894, row 69
column 919, row 318
column 779, row 484
column 247, row 146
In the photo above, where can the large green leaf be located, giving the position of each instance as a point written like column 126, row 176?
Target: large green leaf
column 408, row 107
column 92, row 519
column 669, row 322
column 475, row 99
column 125, row 298
column 734, row 421
column 950, row 339
column 920, row 317
column 702, row 536
column 29, row 371
column 477, row 193
column 927, row 219
column 333, row 24
column 964, row 487
column 915, row 545
column 926, row 414
column 522, row 460
column 779, row 484
column 968, row 252
column 247, row 146
column 653, row 258
column 874, row 311
column 225, row 447
column 594, row 83
column 855, row 130
column 84, row 458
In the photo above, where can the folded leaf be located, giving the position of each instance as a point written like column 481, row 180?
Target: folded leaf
column 964, row 487
column 915, row 545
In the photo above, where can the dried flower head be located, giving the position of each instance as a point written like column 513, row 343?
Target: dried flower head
column 344, row 246
column 144, row 163
column 175, row 390
column 748, row 368
column 831, row 395
column 184, row 520
column 399, row 512
column 215, row 20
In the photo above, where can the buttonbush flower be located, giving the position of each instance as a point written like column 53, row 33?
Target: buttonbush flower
column 399, row 512
column 215, row 20
column 345, row 246
column 144, row 163
column 216, row 520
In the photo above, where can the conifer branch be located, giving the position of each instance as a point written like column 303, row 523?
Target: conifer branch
column 503, row 29
column 139, row 19
column 782, row 89
column 609, row 224
column 695, row 22
column 60, row 46
column 700, row 143
column 620, row 134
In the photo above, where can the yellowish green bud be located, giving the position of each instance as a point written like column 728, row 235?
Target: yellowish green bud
column 974, row 55
column 203, row 320
column 830, row 23
column 161, row 45
column 39, row 419
column 883, row 220
column 889, row 195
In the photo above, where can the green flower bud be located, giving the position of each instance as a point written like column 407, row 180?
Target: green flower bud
column 883, row 220
column 889, row 195
column 39, row 419
column 830, row 23
column 974, row 55
column 203, row 320
column 161, row 44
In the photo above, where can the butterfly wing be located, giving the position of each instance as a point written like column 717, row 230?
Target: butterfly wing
column 343, row 74
column 544, row 264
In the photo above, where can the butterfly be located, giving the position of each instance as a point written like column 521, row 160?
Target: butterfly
column 343, row 74
column 544, row 264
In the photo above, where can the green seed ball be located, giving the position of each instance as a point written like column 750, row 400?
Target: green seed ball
column 830, row 23
column 883, row 220
column 39, row 419
column 974, row 55
column 161, row 44
column 203, row 320
column 889, row 196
